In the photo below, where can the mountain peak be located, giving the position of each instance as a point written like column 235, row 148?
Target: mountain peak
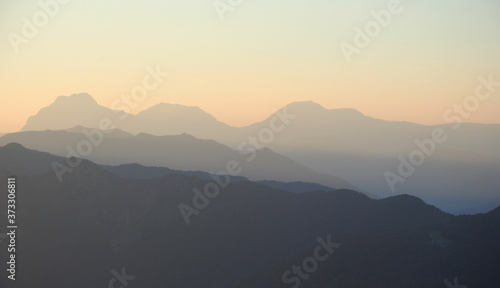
column 348, row 112
column 79, row 99
column 306, row 106
column 14, row 146
column 315, row 109
column 174, row 110
column 68, row 111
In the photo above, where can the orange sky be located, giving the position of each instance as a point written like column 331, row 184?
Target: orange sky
column 260, row 58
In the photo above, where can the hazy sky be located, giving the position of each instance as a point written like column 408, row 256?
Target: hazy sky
column 264, row 55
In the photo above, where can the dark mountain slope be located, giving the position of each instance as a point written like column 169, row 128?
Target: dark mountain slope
column 422, row 255
column 94, row 222
column 181, row 152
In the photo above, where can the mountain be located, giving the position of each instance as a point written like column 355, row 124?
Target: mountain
column 21, row 161
column 460, row 174
column 456, row 181
column 137, row 171
column 134, row 225
column 162, row 119
column 172, row 119
column 349, row 131
column 439, row 254
column 340, row 130
column 77, row 109
column 295, row 187
column 314, row 127
column 181, row 152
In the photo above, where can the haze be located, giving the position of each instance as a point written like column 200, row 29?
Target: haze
column 263, row 56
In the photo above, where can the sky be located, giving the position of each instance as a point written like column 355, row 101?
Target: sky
column 260, row 56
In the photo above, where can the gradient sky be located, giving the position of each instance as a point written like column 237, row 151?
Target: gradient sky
column 265, row 55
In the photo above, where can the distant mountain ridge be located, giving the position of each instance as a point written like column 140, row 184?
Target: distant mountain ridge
column 21, row 161
column 181, row 152
column 161, row 119
column 461, row 175
column 70, row 111
column 112, row 222
column 136, row 171
column 346, row 130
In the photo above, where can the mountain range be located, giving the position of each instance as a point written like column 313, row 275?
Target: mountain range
column 461, row 175
column 180, row 152
column 247, row 236
column 21, row 161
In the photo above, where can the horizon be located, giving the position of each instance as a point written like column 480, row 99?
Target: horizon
column 134, row 113
column 254, row 58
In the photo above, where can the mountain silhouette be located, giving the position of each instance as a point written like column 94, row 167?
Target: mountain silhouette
column 111, row 222
column 461, row 175
column 161, row 119
column 173, row 119
column 181, row 152
column 70, row 111
column 137, row 171
column 21, row 161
